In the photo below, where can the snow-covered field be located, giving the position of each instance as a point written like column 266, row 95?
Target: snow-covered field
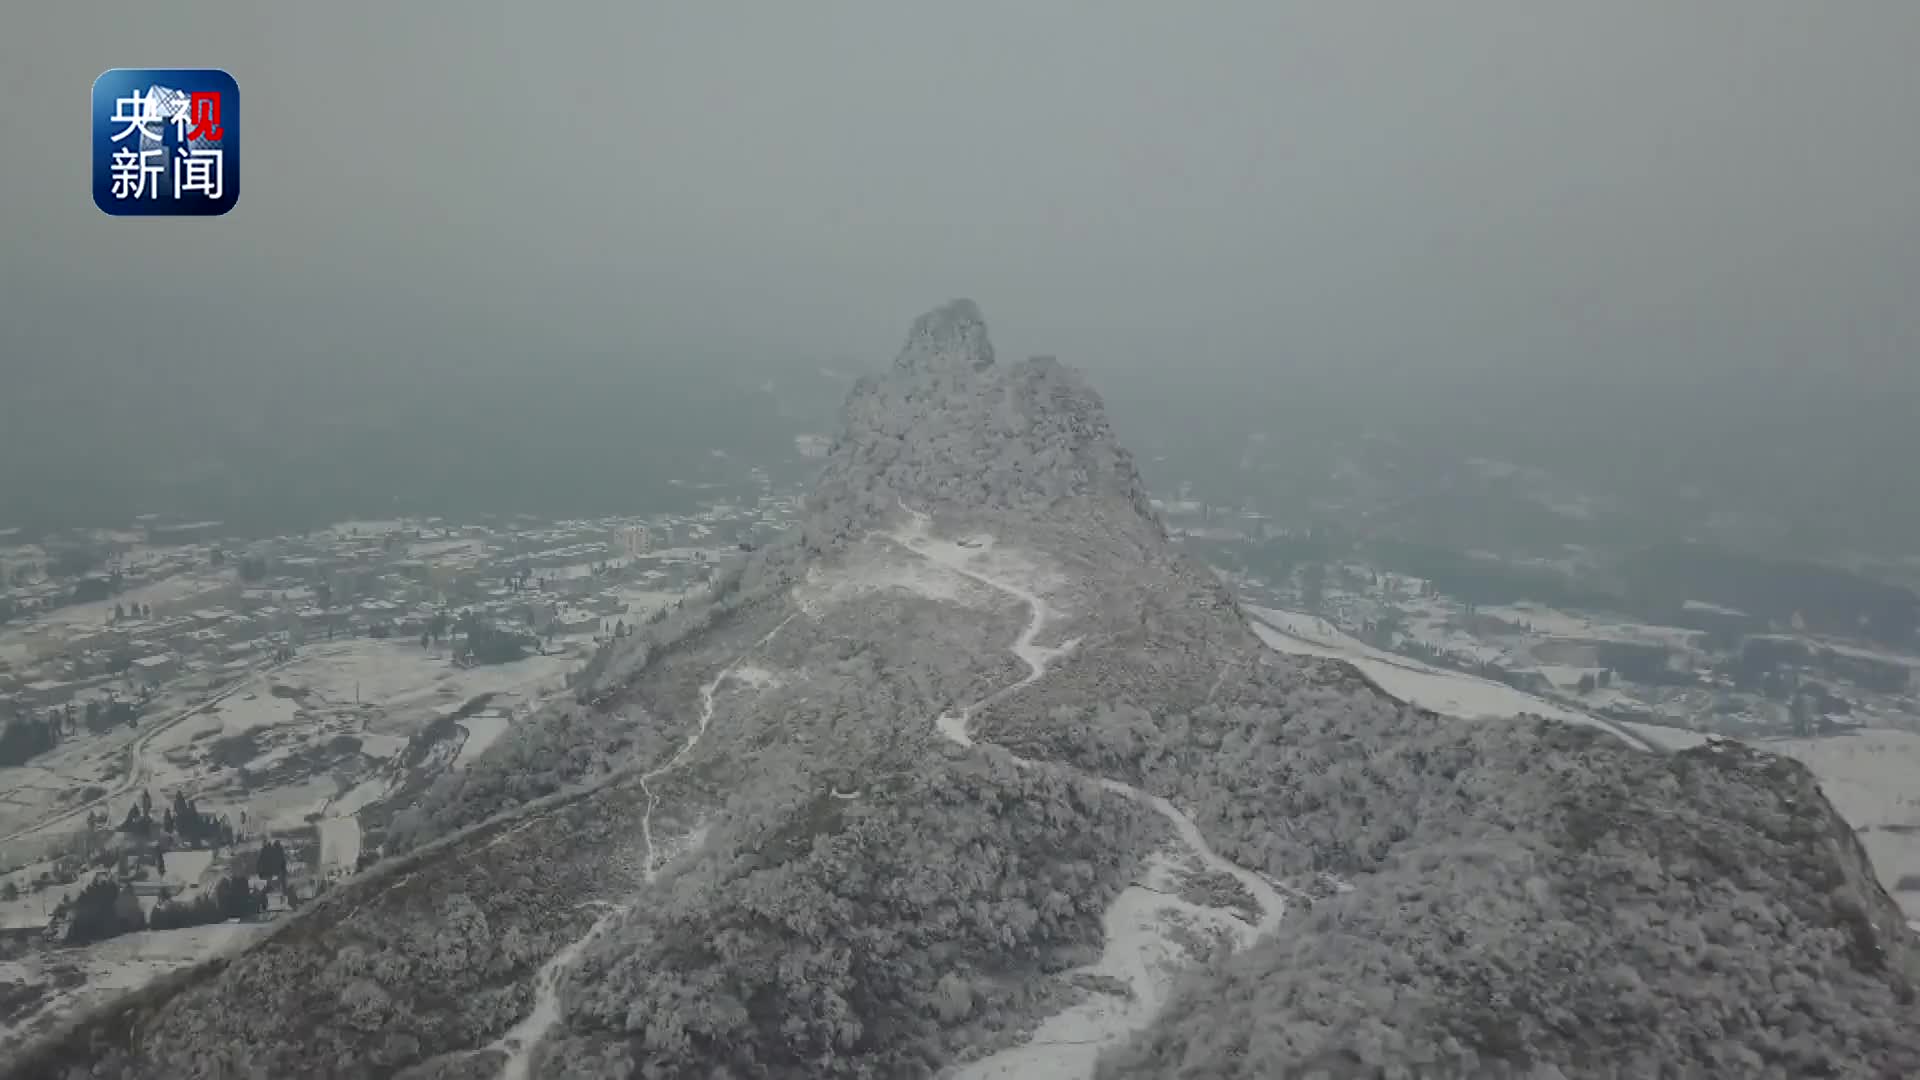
column 339, row 844
column 481, row 733
column 1667, row 738
column 357, row 797
column 1873, row 779
column 381, row 692
column 187, row 868
column 397, row 676
column 377, row 692
column 1315, row 636
column 75, row 978
column 242, row 714
column 28, row 790
column 283, row 808
column 642, row 601
column 1449, row 692
column 1546, row 620
column 168, row 592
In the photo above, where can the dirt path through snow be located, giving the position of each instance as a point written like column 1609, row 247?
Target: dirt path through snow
column 1069, row 1043
column 520, row 1042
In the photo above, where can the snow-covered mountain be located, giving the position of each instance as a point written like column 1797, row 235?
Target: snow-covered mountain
column 976, row 776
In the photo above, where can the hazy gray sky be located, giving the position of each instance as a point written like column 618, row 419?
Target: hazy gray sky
column 1644, row 185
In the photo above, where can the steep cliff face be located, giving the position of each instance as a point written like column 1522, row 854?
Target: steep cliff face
column 961, row 775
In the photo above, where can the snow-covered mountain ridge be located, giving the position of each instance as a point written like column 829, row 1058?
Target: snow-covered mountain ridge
column 976, row 775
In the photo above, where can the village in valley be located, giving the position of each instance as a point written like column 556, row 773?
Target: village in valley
column 201, row 732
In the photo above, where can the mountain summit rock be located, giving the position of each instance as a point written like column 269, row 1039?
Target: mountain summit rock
column 948, row 429
column 952, row 337
column 975, row 774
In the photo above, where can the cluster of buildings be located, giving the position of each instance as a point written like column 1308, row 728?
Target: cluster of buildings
column 1703, row 667
column 181, row 606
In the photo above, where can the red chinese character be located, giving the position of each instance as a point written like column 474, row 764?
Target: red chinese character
column 206, row 116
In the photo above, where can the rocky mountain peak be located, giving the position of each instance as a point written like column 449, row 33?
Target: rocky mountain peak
column 947, row 428
column 950, row 338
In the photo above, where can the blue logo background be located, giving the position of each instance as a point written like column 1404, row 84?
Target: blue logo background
column 120, row 83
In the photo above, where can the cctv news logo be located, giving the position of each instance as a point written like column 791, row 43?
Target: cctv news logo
column 166, row 142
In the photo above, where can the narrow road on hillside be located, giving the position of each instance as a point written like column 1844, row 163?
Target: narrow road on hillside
column 1129, row 953
column 954, row 726
column 520, row 1042
column 706, row 718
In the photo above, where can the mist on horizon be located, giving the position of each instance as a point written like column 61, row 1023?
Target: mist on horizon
column 1675, row 246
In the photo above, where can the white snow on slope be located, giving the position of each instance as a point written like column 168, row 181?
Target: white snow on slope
column 186, row 867
column 757, row 677
column 1139, row 952
column 1142, row 935
column 363, row 793
column 1667, row 738
column 108, row 968
column 523, row 1038
column 482, row 731
column 822, row 589
column 339, row 843
column 520, row 1040
column 1443, row 691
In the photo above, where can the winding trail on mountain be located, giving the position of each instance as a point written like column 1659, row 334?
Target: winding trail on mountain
column 519, row 1042
column 706, row 717
column 1038, row 658
column 954, row 726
